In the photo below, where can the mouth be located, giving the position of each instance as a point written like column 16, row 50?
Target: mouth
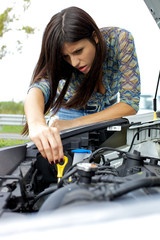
column 83, row 68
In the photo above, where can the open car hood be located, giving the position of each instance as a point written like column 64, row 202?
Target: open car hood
column 154, row 8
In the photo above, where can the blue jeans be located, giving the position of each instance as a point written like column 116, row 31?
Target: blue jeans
column 68, row 114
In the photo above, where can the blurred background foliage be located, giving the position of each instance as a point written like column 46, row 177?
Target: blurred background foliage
column 11, row 20
column 11, row 107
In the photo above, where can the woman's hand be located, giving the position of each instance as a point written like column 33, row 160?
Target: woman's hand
column 115, row 111
column 63, row 124
column 48, row 141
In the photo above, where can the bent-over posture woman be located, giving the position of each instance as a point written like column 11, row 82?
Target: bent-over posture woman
column 81, row 73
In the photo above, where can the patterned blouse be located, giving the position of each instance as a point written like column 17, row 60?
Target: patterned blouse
column 120, row 73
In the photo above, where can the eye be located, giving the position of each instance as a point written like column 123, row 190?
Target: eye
column 78, row 51
column 65, row 57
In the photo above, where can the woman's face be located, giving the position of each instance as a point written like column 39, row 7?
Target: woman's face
column 79, row 54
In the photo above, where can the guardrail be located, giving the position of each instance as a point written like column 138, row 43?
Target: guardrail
column 13, row 119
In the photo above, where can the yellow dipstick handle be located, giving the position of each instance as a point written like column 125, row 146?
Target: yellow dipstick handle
column 155, row 116
column 60, row 168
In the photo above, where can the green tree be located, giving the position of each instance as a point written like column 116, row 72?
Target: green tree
column 9, row 20
column 11, row 107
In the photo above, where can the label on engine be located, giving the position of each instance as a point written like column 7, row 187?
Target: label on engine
column 114, row 128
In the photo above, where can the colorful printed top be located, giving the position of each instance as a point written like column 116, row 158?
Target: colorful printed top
column 120, row 72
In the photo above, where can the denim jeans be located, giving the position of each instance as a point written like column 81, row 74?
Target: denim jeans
column 68, row 114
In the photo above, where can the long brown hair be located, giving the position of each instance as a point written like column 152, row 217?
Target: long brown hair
column 70, row 25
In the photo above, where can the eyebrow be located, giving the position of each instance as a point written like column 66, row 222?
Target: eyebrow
column 74, row 52
column 78, row 49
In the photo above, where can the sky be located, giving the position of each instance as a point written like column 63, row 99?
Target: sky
column 16, row 69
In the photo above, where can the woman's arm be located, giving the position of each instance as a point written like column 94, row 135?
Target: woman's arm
column 115, row 111
column 47, row 139
column 129, row 85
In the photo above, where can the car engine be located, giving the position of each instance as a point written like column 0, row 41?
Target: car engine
column 123, row 165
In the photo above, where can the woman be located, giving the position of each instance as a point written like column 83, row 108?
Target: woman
column 80, row 71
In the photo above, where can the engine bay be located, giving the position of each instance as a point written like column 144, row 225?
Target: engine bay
column 123, row 165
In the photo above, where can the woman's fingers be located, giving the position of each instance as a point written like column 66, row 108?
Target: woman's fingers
column 56, row 144
column 53, row 146
column 39, row 145
column 62, row 124
column 48, row 142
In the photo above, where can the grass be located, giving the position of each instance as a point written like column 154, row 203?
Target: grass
column 11, row 142
column 11, row 129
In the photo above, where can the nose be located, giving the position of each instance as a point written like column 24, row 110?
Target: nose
column 74, row 61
